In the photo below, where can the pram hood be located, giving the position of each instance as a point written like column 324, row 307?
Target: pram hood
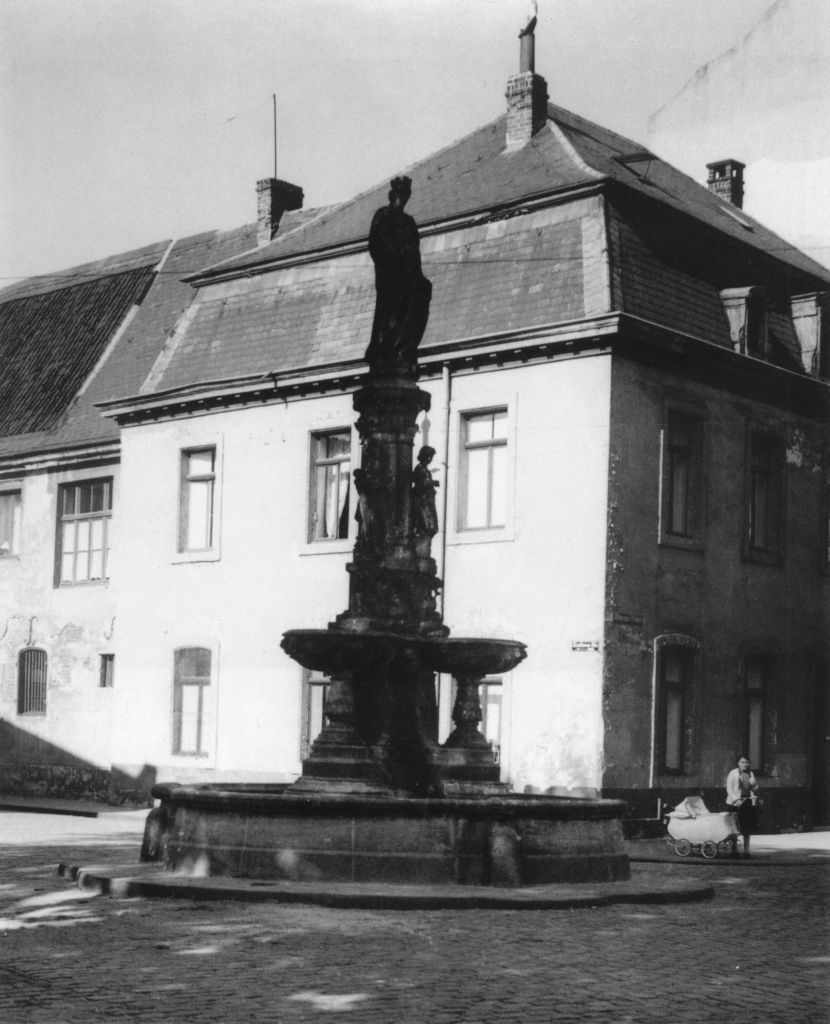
column 690, row 807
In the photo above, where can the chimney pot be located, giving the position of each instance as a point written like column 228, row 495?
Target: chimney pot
column 274, row 198
column 726, row 179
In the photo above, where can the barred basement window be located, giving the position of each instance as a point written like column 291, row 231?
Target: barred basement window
column 84, row 516
column 31, row 682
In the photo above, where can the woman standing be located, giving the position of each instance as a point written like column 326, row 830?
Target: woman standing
column 741, row 793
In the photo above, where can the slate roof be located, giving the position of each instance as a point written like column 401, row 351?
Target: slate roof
column 54, row 330
column 513, row 265
column 487, row 279
column 478, row 173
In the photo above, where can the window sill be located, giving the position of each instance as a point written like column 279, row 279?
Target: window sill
column 329, row 547
column 190, row 557
column 772, row 558
column 67, row 585
column 500, row 535
column 682, row 543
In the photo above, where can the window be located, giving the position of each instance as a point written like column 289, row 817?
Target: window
column 9, row 524
column 315, row 692
column 107, row 671
column 490, row 692
column 682, row 478
column 329, row 499
column 756, row 675
column 747, row 315
column 483, row 480
column 675, row 669
column 196, row 506
column 191, row 678
column 765, row 485
column 85, row 512
column 490, row 701
column 31, row 682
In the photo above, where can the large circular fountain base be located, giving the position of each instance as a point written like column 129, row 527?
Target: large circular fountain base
column 508, row 840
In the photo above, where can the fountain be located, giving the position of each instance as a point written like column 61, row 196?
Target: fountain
column 379, row 799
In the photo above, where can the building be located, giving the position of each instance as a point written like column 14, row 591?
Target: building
column 629, row 382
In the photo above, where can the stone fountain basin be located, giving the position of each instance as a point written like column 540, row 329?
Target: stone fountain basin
column 332, row 651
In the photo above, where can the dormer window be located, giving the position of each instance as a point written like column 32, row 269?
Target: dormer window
column 811, row 319
column 746, row 313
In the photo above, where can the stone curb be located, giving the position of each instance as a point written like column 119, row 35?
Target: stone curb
column 152, row 881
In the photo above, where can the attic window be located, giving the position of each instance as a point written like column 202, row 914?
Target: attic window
column 733, row 213
column 641, row 157
column 746, row 313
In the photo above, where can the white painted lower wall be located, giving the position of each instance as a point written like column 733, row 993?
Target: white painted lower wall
column 539, row 580
column 72, row 624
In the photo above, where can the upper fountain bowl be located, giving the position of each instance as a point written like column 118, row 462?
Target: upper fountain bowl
column 333, row 651
column 473, row 656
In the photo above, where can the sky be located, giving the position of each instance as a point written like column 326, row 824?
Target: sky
column 126, row 122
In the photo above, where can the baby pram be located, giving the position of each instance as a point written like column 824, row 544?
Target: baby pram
column 694, row 829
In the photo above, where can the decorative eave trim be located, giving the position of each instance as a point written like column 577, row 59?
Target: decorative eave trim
column 521, row 346
column 31, row 462
column 620, row 333
column 514, row 208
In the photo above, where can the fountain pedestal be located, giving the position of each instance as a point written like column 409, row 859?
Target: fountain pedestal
column 379, row 799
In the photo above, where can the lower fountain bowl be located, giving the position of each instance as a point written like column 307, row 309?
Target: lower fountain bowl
column 505, row 840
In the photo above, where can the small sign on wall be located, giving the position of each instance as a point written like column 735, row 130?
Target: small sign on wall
column 584, row 645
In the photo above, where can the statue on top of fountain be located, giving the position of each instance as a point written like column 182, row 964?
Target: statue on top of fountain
column 403, row 293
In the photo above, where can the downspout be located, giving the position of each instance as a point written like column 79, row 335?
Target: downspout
column 445, row 455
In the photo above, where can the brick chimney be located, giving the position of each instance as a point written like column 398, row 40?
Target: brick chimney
column 527, row 92
column 726, row 179
column 273, row 198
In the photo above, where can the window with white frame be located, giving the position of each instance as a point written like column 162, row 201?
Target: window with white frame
column 197, row 498
column 191, row 680
column 490, row 700
column 483, row 471
column 84, row 518
column 10, row 509
column 330, row 480
column 31, row 681
column 315, row 692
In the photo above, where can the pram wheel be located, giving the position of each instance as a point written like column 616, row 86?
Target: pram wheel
column 682, row 847
column 709, row 849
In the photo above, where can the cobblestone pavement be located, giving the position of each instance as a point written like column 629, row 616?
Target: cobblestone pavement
column 757, row 953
